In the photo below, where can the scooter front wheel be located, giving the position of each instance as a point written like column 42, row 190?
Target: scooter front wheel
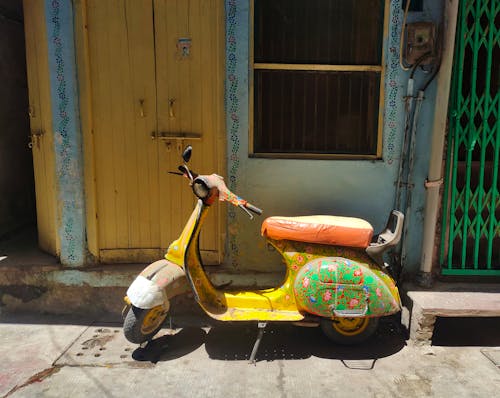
column 349, row 331
column 141, row 325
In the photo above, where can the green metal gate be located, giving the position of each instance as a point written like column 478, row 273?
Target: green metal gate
column 470, row 241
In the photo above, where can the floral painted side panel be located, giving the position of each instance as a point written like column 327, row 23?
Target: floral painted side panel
column 337, row 281
column 335, row 286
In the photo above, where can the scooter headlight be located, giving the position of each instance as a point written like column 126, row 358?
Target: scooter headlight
column 200, row 189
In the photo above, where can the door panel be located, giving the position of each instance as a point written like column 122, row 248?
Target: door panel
column 189, row 100
column 142, row 88
column 121, row 52
column 40, row 125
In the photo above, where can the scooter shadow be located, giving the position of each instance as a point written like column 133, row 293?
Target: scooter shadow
column 288, row 342
column 171, row 346
column 234, row 341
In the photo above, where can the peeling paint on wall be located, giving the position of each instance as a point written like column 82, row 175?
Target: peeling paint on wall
column 25, row 293
column 94, row 279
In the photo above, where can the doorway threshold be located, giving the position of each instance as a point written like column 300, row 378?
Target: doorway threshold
column 20, row 249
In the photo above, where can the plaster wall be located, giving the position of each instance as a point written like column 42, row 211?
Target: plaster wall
column 17, row 197
column 286, row 187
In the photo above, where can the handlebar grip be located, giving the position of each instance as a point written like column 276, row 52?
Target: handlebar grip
column 253, row 208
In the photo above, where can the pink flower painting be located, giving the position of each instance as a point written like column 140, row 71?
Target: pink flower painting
column 305, row 282
column 353, row 303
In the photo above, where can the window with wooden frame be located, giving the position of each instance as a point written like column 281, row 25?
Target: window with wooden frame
column 317, row 88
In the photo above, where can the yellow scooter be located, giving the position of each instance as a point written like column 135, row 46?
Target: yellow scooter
column 336, row 277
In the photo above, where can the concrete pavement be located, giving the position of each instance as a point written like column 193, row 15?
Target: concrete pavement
column 63, row 357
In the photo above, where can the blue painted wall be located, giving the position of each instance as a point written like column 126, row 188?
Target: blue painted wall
column 67, row 132
column 359, row 188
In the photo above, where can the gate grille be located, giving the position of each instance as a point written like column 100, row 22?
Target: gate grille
column 470, row 241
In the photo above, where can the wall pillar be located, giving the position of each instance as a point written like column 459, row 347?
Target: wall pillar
column 67, row 132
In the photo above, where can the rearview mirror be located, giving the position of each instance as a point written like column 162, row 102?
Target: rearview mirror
column 186, row 155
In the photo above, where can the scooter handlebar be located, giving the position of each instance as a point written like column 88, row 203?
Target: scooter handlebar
column 215, row 181
column 253, row 208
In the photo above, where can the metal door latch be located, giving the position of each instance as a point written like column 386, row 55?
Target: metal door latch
column 35, row 137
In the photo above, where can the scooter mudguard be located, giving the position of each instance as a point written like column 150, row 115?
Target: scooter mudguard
column 156, row 284
column 339, row 287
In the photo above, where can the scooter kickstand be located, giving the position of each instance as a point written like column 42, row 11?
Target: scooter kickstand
column 261, row 326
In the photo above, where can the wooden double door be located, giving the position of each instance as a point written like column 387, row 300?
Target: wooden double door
column 155, row 84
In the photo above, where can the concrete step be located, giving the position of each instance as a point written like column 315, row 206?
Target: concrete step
column 448, row 300
column 97, row 290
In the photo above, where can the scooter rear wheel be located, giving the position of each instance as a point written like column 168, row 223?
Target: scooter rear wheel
column 141, row 325
column 348, row 331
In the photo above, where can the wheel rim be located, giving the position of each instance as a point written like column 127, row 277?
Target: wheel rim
column 153, row 319
column 350, row 326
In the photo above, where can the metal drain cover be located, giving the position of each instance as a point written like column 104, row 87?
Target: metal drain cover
column 493, row 355
column 99, row 346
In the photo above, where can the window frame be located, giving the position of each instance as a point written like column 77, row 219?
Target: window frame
column 317, row 67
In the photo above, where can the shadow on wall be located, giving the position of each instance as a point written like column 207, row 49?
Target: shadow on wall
column 17, row 196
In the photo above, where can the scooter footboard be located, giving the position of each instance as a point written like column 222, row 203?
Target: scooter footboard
column 339, row 287
column 156, row 284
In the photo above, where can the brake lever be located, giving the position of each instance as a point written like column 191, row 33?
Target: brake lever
column 246, row 211
column 176, row 173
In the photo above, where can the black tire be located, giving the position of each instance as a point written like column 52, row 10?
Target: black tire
column 141, row 325
column 358, row 330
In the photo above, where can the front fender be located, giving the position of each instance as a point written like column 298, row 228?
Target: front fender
column 156, row 284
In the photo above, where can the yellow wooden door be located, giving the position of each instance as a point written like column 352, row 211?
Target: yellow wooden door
column 40, row 124
column 189, row 36
column 142, row 91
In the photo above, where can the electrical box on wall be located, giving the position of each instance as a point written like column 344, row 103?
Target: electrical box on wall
column 420, row 40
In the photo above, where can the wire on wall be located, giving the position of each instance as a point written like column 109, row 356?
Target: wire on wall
column 401, row 39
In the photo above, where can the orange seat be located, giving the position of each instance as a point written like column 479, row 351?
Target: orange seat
column 327, row 230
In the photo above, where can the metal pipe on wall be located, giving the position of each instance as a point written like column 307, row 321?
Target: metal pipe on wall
column 434, row 178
